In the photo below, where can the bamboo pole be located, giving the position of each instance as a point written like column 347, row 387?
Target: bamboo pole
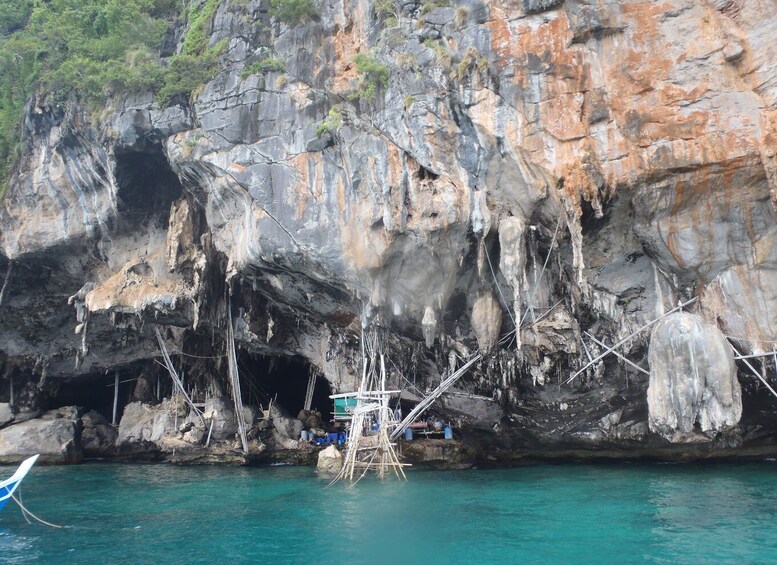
column 168, row 364
column 115, row 396
column 756, row 373
column 629, row 337
column 309, row 392
column 618, row 355
column 235, row 380
column 756, row 355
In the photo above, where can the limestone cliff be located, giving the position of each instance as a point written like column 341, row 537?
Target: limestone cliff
column 574, row 168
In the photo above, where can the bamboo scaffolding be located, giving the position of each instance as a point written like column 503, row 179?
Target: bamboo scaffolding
column 235, row 381
column 629, row 337
column 367, row 453
column 168, row 364
column 424, row 405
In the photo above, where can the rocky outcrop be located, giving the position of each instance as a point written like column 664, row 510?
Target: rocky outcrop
column 693, row 380
column 147, row 423
column 574, row 168
column 55, row 436
column 330, row 461
column 98, row 436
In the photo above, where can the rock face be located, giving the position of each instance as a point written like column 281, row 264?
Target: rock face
column 143, row 422
column 592, row 162
column 693, row 379
column 98, row 437
column 55, row 436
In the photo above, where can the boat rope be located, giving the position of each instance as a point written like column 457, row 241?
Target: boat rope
column 26, row 512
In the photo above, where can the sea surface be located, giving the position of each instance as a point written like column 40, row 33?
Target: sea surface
column 574, row 513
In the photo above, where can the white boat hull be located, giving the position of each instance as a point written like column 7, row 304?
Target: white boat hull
column 8, row 486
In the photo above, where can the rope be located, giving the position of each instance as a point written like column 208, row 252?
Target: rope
column 179, row 352
column 25, row 512
column 542, row 272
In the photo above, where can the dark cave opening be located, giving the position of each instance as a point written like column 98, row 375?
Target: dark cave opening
column 285, row 381
column 147, row 186
column 91, row 392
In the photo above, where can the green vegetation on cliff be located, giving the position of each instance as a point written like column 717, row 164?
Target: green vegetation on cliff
column 94, row 49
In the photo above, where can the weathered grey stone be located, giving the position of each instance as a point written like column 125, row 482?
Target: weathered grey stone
column 98, row 436
column 56, row 440
column 143, row 422
column 330, row 461
column 693, row 379
column 288, row 428
column 6, row 414
column 486, row 321
column 653, row 176
column 221, row 411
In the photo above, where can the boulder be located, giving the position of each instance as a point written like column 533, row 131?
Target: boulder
column 6, row 414
column 310, row 418
column 250, row 414
column 693, row 380
column 56, row 439
column 330, row 461
column 288, row 428
column 144, row 422
column 98, row 437
column 220, row 410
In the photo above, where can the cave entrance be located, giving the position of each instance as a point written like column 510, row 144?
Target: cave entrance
column 284, row 380
column 147, row 186
column 91, row 392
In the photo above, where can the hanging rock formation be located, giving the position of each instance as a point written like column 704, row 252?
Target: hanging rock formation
column 693, row 379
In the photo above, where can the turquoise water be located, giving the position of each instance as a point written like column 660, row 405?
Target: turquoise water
column 539, row 514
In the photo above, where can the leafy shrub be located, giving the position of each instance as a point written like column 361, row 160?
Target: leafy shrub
column 66, row 46
column 460, row 17
column 442, row 54
column 293, row 12
column 268, row 65
column 196, row 40
column 374, row 75
column 13, row 14
column 331, row 123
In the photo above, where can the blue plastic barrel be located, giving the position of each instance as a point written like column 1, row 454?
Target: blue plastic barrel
column 409, row 434
column 448, row 432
